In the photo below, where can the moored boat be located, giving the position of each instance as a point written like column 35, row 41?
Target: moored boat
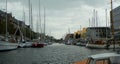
column 24, row 44
column 6, row 46
column 38, row 45
column 103, row 58
column 96, row 45
column 102, row 46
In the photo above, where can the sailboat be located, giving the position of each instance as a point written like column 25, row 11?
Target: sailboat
column 96, row 42
column 38, row 43
column 6, row 45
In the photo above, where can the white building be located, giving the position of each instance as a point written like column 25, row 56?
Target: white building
column 97, row 33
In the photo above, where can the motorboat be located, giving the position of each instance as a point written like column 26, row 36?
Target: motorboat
column 103, row 58
column 24, row 44
column 96, row 45
column 81, row 43
column 102, row 46
column 69, row 42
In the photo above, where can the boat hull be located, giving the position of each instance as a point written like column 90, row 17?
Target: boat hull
column 5, row 46
column 96, row 46
column 38, row 45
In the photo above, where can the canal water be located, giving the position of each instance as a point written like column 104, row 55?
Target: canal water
column 51, row 54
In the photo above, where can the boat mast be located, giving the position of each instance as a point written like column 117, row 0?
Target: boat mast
column 112, row 25
column 40, row 19
column 93, row 19
column 97, row 24
column 89, row 23
column 6, row 23
column 31, row 21
column 68, row 30
column 24, row 32
column 106, row 22
column 44, row 23
column 96, row 19
column 29, row 16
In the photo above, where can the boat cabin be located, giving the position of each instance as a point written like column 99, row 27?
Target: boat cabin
column 105, row 58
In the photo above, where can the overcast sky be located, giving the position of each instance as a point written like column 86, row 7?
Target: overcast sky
column 61, row 14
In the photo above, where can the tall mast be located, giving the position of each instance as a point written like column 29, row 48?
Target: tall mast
column 40, row 26
column 96, row 19
column 44, row 22
column 29, row 4
column 106, row 17
column 68, row 30
column 106, row 22
column 80, row 28
column 37, row 25
column 24, row 22
column 93, row 19
column 89, row 23
column 6, row 22
column 112, row 25
column 31, row 21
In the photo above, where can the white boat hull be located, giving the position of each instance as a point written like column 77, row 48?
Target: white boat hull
column 96, row 46
column 5, row 46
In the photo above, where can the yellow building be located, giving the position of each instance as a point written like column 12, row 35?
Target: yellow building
column 80, row 34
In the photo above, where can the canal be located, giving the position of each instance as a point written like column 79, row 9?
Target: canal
column 51, row 54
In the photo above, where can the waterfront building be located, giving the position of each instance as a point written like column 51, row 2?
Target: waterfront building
column 116, row 19
column 97, row 33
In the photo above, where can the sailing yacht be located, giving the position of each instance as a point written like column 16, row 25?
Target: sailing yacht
column 7, row 45
column 38, row 43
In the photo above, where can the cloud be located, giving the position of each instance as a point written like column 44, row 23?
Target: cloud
column 61, row 14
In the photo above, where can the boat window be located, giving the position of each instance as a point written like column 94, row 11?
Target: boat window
column 91, row 61
column 115, row 60
column 105, row 61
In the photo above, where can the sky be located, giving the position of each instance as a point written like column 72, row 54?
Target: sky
column 61, row 15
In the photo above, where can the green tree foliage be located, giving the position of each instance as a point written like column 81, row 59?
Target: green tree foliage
column 2, row 27
column 11, row 29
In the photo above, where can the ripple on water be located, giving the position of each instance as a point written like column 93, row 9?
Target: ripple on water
column 53, row 54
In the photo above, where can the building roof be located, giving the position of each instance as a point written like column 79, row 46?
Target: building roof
column 116, row 9
column 104, row 55
column 98, row 27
